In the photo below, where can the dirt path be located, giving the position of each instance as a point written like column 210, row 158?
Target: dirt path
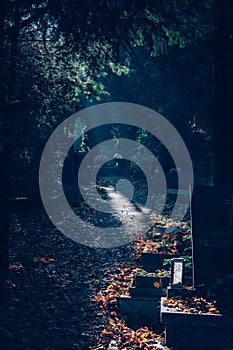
column 49, row 300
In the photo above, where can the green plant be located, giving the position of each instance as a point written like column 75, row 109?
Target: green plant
column 141, row 135
column 167, row 262
column 188, row 261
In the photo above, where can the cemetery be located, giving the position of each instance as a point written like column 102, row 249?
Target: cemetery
column 133, row 307
column 116, row 181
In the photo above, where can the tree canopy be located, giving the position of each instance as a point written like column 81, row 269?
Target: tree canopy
column 54, row 54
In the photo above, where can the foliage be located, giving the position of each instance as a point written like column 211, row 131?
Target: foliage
column 130, row 23
column 55, row 54
column 64, row 48
column 142, row 135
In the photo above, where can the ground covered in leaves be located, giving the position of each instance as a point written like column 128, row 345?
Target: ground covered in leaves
column 62, row 295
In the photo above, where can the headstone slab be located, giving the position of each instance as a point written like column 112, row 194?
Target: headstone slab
column 212, row 233
column 69, row 178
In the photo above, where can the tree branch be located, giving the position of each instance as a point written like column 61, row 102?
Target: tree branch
column 38, row 14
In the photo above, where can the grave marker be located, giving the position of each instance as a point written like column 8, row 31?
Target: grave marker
column 69, row 179
column 212, row 232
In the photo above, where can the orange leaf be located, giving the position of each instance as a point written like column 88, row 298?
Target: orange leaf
column 156, row 284
column 212, row 309
column 111, row 323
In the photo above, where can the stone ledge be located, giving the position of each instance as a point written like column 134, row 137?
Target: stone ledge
column 188, row 330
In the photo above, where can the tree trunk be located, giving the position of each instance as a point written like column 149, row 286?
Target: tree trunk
column 5, row 208
column 4, row 4
column 223, row 71
column 8, row 120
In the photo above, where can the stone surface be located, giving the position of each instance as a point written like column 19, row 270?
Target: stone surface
column 147, row 292
column 146, row 307
column 152, row 261
column 196, row 331
column 69, row 179
column 212, row 231
column 151, row 280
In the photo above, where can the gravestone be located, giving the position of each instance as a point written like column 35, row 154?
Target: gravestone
column 69, row 180
column 212, row 232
